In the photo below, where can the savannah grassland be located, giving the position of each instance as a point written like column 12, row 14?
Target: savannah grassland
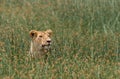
column 86, row 39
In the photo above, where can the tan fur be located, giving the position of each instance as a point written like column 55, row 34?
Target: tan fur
column 40, row 43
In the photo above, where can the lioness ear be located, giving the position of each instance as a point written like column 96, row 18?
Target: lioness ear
column 49, row 31
column 33, row 33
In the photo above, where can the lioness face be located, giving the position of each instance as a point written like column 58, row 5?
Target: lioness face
column 41, row 38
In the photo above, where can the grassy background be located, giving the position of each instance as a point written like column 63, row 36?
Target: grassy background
column 86, row 39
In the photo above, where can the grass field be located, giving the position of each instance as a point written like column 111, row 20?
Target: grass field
column 86, row 39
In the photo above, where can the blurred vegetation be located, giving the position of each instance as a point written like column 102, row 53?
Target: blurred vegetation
column 86, row 39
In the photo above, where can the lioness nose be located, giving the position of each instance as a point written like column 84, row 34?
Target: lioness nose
column 48, row 41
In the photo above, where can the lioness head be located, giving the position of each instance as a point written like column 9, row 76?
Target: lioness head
column 41, row 38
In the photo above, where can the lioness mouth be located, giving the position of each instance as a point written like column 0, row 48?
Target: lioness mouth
column 48, row 45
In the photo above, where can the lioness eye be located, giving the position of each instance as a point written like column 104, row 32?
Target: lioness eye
column 40, row 36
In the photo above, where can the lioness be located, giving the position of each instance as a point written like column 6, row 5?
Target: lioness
column 40, row 42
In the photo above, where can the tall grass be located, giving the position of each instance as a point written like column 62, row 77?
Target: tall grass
column 86, row 39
